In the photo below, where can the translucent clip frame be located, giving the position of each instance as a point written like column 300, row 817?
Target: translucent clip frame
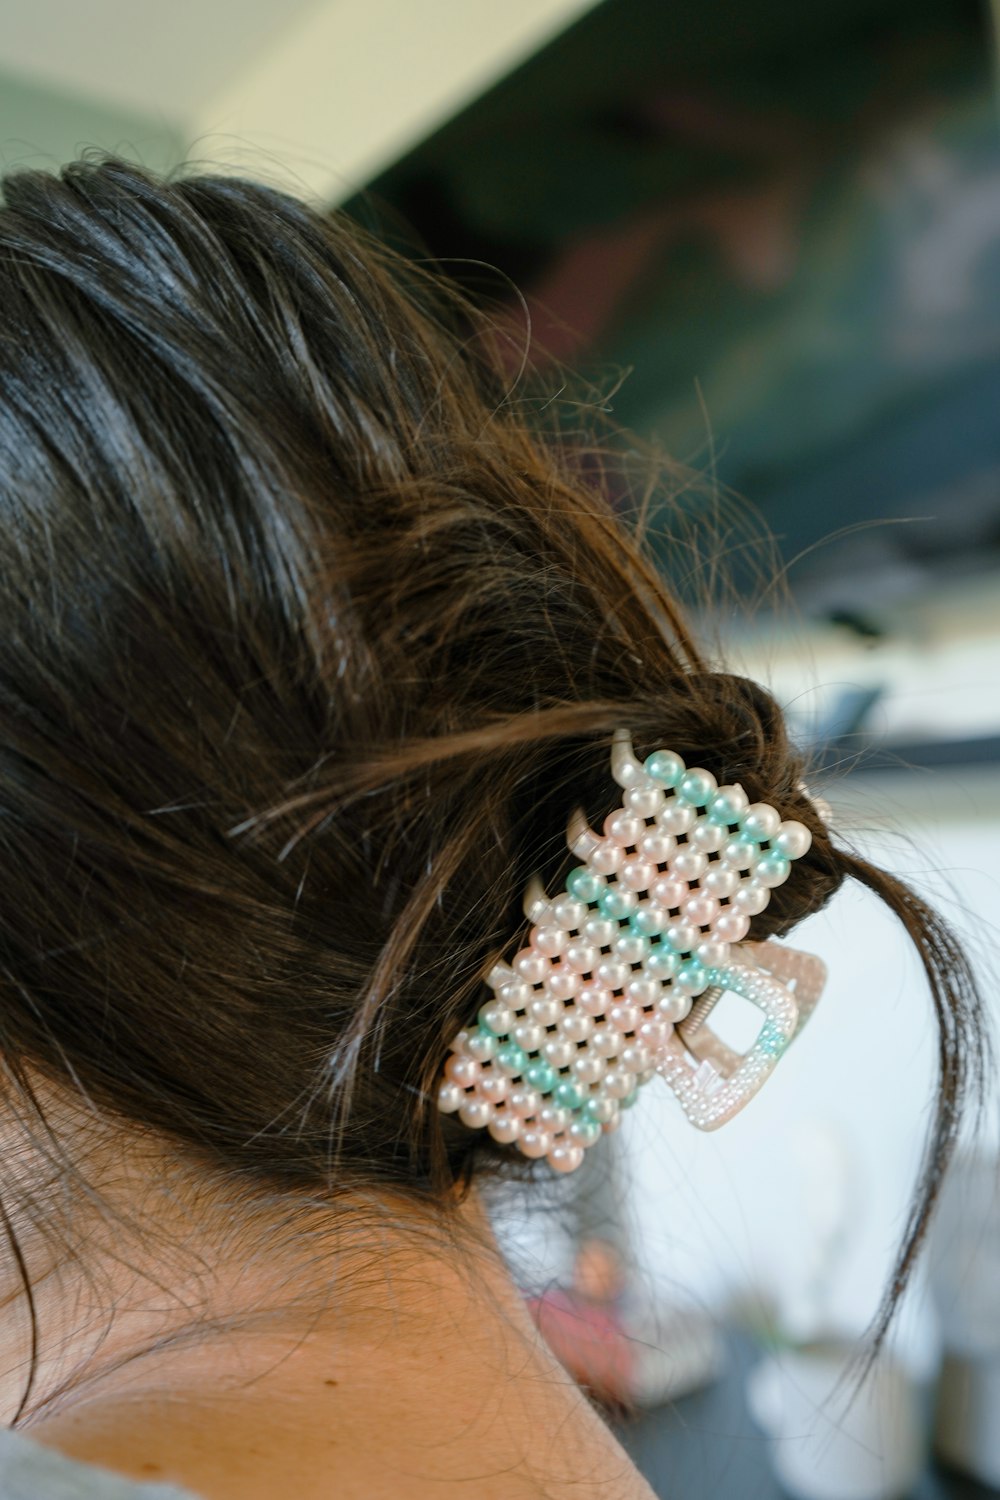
column 621, row 971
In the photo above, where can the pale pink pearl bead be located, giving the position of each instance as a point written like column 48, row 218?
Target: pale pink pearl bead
column 450, row 1096
column 638, row 874
column 545, row 1010
column 635, row 1057
column 565, row 1158
column 630, row 947
column 569, row 913
column 644, row 801
column 708, row 837
column 657, row 845
column 605, row 1041
column 607, row 857
column 712, row 953
column 682, row 936
column 577, row 1026
column 667, row 891
column 689, row 864
column 475, row 1113
column 524, row 1102
column 653, row 1034
column 700, row 909
column 624, row 1017
column 505, row 1128
column 751, row 898
column 498, row 1017
column 642, row 990
column 514, row 993
column 624, row 827
column 593, row 999
column 732, row 927
column 583, row 957
column 549, row 940
column 558, row 1050
column 464, row 1071
column 618, row 1082
column 535, row 1143
column 563, row 982
column 528, row 1035
column 587, row 1067
column 673, row 1005
column 551, row 1118
column 493, row 1086
column 599, row 931
column 720, row 881
column 676, row 817
column 531, row 965
column 612, row 974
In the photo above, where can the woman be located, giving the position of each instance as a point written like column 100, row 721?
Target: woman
column 308, row 646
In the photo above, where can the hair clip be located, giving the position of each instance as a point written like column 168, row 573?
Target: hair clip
column 621, row 971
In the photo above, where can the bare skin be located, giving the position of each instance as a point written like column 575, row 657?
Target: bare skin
column 415, row 1371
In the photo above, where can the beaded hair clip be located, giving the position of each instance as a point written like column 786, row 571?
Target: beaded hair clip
column 621, row 971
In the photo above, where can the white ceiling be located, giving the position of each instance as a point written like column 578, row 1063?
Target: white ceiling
column 166, row 59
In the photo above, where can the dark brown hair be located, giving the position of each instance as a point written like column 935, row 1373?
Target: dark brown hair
column 311, row 635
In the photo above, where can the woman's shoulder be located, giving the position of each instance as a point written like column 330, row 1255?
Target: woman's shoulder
column 28, row 1471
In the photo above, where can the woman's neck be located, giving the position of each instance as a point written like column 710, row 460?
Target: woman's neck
column 412, row 1368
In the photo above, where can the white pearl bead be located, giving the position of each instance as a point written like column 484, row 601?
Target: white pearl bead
column 761, row 821
column 657, row 845
column 700, row 909
column 569, row 913
column 549, row 940
column 732, row 801
column 587, row 1067
column 593, row 1000
column 653, row 1034
column 676, row 817
column 476, row 1113
column 638, row 874
column 630, row 947
column 751, row 898
column 740, row 853
column 689, row 864
column 524, row 1102
column 720, row 881
column 604, row 1109
column 607, row 857
column 711, row 953
column 464, row 1071
column 528, row 1035
column 534, row 1143
column 482, row 1046
column 450, row 1096
column 599, row 931
column 635, row 1057
column 499, row 1018
column 505, row 1129
column 531, row 965
column 673, row 1006
column 618, row 1083
column 544, row 1010
column 493, row 1087
column 563, row 982
column 514, row 993
column 624, row 1017
column 644, row 801
column 558, row 1051
column 708, row 837
column 682, row 937
column 605, row 1041
column 583, row 957
column 667, row 891
column 732, row 927
column 624, row 827
column 793, row 839
column 552, row 1119
column 641, row 990
column 577, row 1026
column 565, row 1157
column 612, row 974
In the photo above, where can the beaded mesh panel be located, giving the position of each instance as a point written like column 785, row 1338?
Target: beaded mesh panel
column 601, row 996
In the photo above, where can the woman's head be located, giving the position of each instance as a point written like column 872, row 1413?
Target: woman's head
column 308, row 643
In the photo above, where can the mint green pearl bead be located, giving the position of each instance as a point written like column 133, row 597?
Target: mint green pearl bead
column 541, row 1076
column 696, row 787
column 693, row 974
column 616, row 903
column 647, row 923
column 512, row 1058
column 772, row 868
column 583, row 885
column 567, row 1095
column 664, row 766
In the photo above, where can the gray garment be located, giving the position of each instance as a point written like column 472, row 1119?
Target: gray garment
column 30, row 1472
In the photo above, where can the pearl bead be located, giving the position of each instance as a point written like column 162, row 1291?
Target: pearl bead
column 605, row 1041
column 708, row 837
column 577, row 1026
column 599, row 931
column 624, row 1017
column 512, row 1059
column 464, row 1071
column 653, row 1034
column 668, row 891
column 529, row 1035
column 514, row 993
column 624, row 827
column 657, row 845
column 545, row 1010
column 676, row 817
column 593, row 1000
column 751, row 898
column 602, row 1109
column 665, row 767
column 662, row 963
column 700, row 909
column 551, row 1118
column 583, row 957
column 493, row 1086
column 549, row 940
column 565, row 1157
column 773, row 868
column 496, row 1017
column 534, row 1143
column 587, row 1067
column 569, row 913
column 476, row 1113
column 732, row 927
column 524, row 1102
column 619, row 902
column 692, row 978
column 697, row 787
column 541, row 1075
column 558, row 1051
column 761, row 821
column 505, row 1128
column 711, row 953
column 618, row 1083
column 728, row 804
column 719, row 881
column 689, row 864
column 583, row 884
column 649, row 919
column 793, row 839
column 531, row 965
column 740, row 852
column 563, row 982
column 482, row 1045
column 631, row 947
column 643, row 990
column 682, row 936
column 645, row 801
column 638, row 874
column 567, row 1094
column 584, row 1132
column 450, row 1096
column 673, row 1006
column 607, row 857
column 612, row 974
column 613, row 1124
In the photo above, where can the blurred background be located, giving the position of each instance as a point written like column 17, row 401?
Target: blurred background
column 771, row 235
